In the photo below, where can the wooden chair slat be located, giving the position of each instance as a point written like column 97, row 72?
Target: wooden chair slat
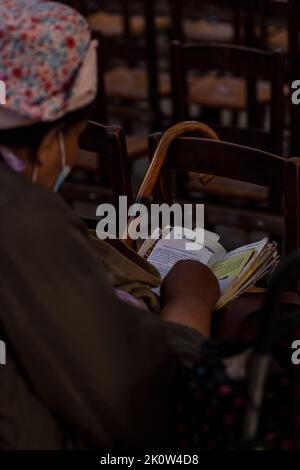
column 228, row 160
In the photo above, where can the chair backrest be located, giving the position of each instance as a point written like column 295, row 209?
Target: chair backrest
column 133, row 50
column 253, row 65
column 181, row 9
column 236, row 162
column 288, row 13
column 108, row 145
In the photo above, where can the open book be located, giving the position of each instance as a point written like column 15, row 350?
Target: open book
column 236, row 271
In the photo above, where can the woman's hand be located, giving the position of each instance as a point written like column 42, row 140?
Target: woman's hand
column 189, row 294
column 191, row 278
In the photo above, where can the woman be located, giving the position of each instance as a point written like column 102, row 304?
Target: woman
column 83, row 369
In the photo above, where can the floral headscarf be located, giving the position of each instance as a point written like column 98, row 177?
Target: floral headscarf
column 47, row 62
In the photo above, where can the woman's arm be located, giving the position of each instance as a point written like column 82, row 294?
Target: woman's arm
column 189, row 293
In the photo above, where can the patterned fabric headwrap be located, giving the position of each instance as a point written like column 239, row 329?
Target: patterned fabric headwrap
column 47, row 62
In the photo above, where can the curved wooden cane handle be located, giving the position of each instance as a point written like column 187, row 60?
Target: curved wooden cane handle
column 160, row 154
column 178, row 130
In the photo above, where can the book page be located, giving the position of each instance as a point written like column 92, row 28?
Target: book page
column 230, row 268
column 236, row 262
column 257, row 247
column 263, row 260
column 167, row 252
column 210, row 239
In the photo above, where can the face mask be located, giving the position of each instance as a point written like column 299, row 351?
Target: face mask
column 66, row 169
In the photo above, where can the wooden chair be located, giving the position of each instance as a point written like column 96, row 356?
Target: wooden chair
column 234, row 162
column 127, row 82
column 252, row 64
column 186, row 26
column 256, row 79
column 136, row 144
column 102, row 151
column 287, row 40
column 259, row 14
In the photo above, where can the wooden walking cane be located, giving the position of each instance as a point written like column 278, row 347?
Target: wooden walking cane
column 178, row 130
